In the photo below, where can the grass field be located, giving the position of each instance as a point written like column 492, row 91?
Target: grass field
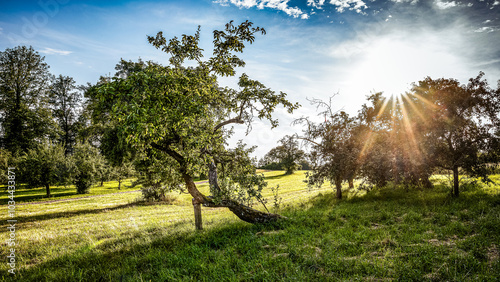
column 386, row 234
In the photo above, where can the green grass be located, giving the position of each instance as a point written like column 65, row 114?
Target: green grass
column 65, row 192
column 387, row 234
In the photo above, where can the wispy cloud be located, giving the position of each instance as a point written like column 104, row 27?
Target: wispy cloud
column 487, row 29
column 50, row 51
column 281, row 5
column 356, row 5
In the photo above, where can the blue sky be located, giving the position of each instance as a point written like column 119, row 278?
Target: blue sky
column 313, row 48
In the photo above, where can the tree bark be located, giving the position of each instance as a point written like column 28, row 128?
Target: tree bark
column 47, row 188
column 243, row 212
column 351, row 183
column 455, row 192
column 212, row 177
column 197, row 216
column 338, row 186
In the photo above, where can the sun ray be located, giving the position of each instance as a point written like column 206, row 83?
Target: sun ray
column 409, row 130
column 368, row 139
column 429, row 103
column 414, row 107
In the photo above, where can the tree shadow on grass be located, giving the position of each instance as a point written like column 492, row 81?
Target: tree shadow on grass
column 38, row 218
column 410, row 198
column 276, row 177
column 175, row 252
column 26, row 199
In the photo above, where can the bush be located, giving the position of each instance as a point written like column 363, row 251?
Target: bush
column 154, row 193
column 86, row 162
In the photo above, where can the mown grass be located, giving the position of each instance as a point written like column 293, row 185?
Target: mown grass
column 387, row 234
column 66, row 192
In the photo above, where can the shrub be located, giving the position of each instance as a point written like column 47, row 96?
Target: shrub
column 86, row 162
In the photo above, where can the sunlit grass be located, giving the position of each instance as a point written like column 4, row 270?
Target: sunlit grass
column 390, row 233
column 67, row 192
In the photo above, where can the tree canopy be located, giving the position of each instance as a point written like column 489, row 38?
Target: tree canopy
column 177, row 114
column 287, row 156
column 24, row 82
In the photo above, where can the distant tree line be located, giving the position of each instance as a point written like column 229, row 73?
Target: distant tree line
column 45, row 126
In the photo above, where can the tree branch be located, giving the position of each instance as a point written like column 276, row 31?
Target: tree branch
column 229, row 121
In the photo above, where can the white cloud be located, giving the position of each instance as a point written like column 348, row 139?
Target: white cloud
column 318, row 4
column 281, row 5
column 487, row 29
column 221, row 2
column 445, row 5
column 342, row 5
column 50, row 51
column 413, row 2
column 244, row 3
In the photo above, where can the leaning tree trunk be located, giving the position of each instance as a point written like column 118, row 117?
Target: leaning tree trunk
column 243, row 212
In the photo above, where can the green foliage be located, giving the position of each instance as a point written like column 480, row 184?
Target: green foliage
column 66, row 101
column 157, row 176
column 286, row 156
column 174, row 117
column 45, row 165
column 6, row 161
column 26, row 116
column 87, row 162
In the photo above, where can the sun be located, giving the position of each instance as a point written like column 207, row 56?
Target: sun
column 389, row 67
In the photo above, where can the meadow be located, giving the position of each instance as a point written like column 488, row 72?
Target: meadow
column 390, row 233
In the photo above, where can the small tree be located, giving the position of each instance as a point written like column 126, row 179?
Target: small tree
column 122, row 171
column 287, row 155
column 335, row 147
column 86, row 160
column 45, row 165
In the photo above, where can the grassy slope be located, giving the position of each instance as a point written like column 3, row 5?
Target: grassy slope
column 386, row 234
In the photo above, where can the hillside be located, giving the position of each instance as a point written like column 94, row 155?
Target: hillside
column 385, row 234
